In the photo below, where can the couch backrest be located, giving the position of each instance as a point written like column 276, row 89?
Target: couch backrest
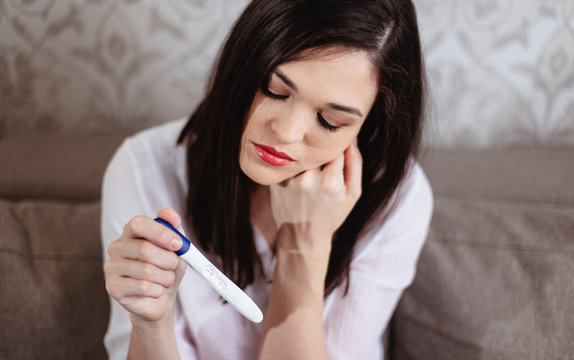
column 494, row 280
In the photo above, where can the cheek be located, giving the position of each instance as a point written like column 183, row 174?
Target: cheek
column 322, row 155
column 328, row 148
column 259, row 106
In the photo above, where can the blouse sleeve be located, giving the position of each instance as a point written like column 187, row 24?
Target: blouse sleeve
column 380, row 271
column 123, row 197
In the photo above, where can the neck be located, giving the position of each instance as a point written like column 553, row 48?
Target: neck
column 261, row 214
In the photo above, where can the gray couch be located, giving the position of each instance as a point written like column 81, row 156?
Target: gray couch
column 494, row 279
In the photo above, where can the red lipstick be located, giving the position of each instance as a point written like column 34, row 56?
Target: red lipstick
column 272, row 156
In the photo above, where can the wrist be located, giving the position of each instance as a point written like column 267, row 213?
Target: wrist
column 303, row 238
column 163, row 322
column 302, row 255
column 151, row 325
column 152, row 339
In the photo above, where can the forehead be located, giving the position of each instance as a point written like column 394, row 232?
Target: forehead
column 337, row 74
column 329, row 53
column 334, row 55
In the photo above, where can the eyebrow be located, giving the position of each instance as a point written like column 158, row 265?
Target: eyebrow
column 285, row 79
column 344, row 108
column 338, row 107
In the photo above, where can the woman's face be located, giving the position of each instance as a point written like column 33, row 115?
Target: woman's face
column 309, row 112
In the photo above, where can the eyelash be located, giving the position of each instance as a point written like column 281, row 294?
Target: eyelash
column 272, row 95
column 324, row 123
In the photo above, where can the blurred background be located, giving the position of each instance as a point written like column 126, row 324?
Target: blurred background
column 501, row 72
column 494, row 279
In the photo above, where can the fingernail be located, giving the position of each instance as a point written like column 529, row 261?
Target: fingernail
column 176, row 243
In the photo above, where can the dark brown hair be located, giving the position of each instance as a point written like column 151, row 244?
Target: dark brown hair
column 267, row 34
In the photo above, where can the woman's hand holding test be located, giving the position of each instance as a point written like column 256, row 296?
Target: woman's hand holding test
column 143, row 275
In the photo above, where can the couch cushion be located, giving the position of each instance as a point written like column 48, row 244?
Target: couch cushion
column 54, row 304
column 58, row 166
column 522, row 174
column 494, row 279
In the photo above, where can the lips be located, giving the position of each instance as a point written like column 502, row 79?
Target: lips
column 272, row 156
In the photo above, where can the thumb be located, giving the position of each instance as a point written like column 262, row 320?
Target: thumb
column 172, row 217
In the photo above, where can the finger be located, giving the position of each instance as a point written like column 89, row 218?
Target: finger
column 144, row 251
column 353, row 168
column 142, row 271
column 334, row 166
column 307, row 181
column 332, row 172
column 128, row 287
column 143, row 227
column 172, row 217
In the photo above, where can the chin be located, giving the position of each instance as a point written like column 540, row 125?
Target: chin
column 265, row 178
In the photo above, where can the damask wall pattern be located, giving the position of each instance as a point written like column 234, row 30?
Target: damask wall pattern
column 500, row 72
column 106, row 65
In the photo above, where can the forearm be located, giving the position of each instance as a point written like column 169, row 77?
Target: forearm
column 153, row 341
column 293, row 326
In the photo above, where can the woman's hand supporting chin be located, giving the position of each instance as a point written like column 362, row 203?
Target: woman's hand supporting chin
column 307, row 209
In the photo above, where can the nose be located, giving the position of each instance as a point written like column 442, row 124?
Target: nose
column 290, row 126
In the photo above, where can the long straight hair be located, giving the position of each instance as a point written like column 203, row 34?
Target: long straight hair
column 267, row 34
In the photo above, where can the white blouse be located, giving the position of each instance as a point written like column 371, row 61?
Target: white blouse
column 148, row 172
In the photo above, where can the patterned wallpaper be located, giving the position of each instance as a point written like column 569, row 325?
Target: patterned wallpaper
column 106, row 65
column 501, row 72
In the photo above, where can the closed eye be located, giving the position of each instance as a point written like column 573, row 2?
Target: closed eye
column 265, row 90
column 270, row 94
column 324, row 123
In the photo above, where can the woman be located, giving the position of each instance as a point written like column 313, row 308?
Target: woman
column 296, row 174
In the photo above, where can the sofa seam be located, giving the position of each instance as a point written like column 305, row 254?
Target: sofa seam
column 454, row 240
column 541, row 200
column 429, row 329
column 50, row 257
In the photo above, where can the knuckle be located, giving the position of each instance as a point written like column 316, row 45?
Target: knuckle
column 135, row 224
column 108, row 268
column 144, row 287
column 108, row 285
column 149, row 289
column 146, row 250
column 170, row 279
column 111, row 248
column 306, row 184
column 111, row 288
column 330, row 184
column 173, row 261
column 147, row 271
column 331, row 187
column 114, row 247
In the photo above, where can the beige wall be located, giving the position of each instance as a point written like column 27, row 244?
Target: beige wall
column 501, row 72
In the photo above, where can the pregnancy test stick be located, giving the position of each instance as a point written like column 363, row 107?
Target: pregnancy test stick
column 225, row 287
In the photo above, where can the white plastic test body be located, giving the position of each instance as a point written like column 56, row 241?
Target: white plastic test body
column 225, row 287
